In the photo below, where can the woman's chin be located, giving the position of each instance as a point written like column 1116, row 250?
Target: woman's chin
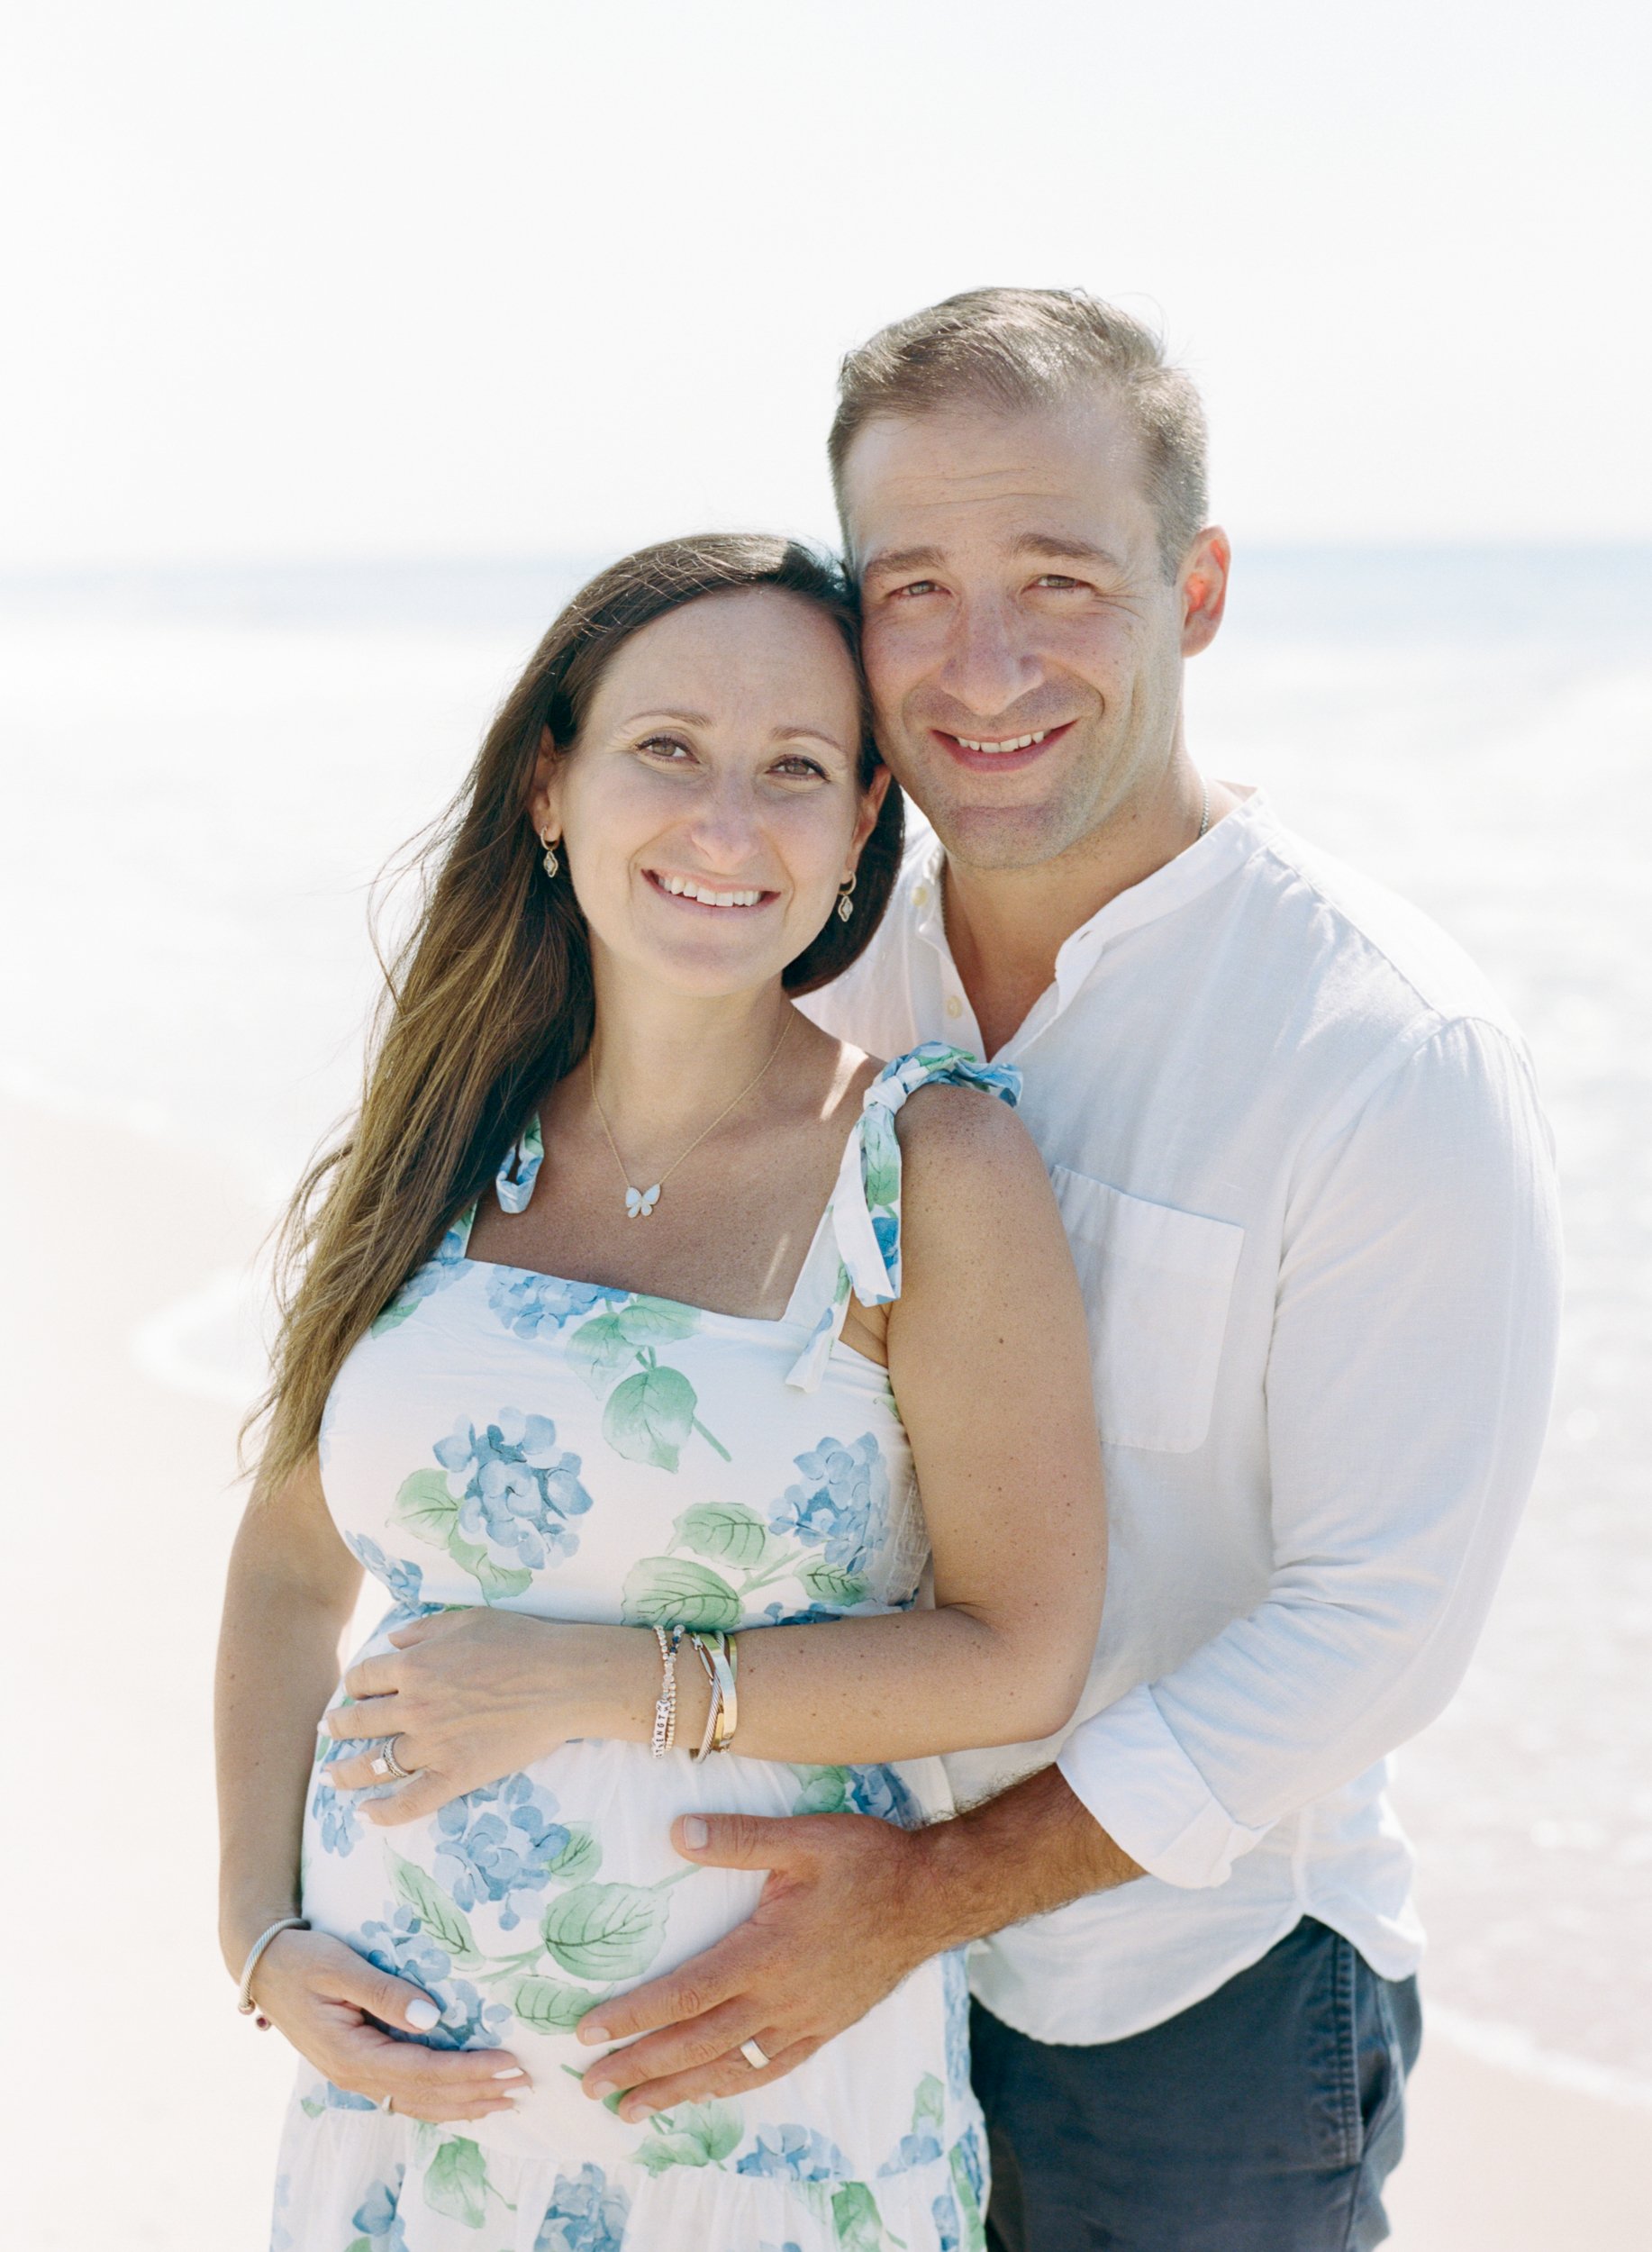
column 709, row 965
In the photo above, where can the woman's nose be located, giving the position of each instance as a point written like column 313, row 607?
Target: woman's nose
column 725, row 826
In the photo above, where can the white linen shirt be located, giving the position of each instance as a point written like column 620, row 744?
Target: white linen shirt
column 1296, row 1144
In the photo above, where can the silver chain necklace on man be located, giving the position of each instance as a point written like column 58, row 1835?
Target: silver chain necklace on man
column 1204, row 810
column 641, row 1202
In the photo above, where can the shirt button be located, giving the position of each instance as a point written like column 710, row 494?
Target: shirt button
column 920, row 895
column 955, row 1007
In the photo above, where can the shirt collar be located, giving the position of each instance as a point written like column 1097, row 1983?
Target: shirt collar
column 1217, row 855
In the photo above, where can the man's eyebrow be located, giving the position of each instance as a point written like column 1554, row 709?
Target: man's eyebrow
column 1066, row 546
column 1062, row 546
column 901, row 560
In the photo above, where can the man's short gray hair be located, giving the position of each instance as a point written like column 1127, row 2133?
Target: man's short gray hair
column 1014, row 349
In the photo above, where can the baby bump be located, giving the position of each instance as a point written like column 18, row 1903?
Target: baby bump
column 523, row 1905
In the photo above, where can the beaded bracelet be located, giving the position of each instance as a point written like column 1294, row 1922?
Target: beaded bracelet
column 665, row 1709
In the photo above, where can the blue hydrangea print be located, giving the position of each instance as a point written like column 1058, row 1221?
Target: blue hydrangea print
column 516, row 1488
column 585, row 2215
column 840, row 1505
column 334, row 1811
column 943, row 2212
column 448, row 1265
column 404, row 1580
column 968, row 2152
column 405, row 1949
column 795, row 2154
column 880, row 1790
column 498, row 1843
column 377, row 2219
column 954, row 1985
column 528, row 1304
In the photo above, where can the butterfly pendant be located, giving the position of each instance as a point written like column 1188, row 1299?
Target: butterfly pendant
column 641, row 1202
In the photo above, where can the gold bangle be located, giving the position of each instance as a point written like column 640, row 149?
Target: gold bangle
column 726, row 1661
column 714, row 1705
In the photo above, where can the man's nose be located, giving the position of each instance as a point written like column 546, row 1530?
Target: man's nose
column 989, row 663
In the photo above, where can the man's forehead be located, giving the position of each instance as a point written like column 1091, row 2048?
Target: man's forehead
column 1053, row 470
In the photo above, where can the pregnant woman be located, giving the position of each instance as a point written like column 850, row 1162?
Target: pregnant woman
column 628, row 1323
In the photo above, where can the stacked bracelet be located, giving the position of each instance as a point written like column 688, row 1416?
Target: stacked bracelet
column 665, row 1709
column 244, row 2001
column 719, row 1654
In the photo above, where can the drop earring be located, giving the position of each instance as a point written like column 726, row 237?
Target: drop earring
column 846, row 905
column 552, row 862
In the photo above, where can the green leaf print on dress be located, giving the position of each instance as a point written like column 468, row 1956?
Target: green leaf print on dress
column 651, row 1414
column 439, row 1912
column 550, row 2006
column 675, row 1591
column 693, row 2135
column 456, row 2182
column 608, row 1932
column 727, row 1531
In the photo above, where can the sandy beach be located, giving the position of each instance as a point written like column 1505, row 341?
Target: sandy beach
column 147, row 2109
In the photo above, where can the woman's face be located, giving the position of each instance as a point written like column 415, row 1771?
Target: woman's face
column 710, row 808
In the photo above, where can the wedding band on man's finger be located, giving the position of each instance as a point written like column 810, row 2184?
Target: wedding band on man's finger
column 755, row 2056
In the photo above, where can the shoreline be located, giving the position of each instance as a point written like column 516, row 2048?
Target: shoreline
column 132, row 1359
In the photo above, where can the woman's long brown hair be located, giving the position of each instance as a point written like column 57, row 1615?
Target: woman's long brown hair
column 488, row 1003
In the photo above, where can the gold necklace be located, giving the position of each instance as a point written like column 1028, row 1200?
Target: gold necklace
column 641, row 1202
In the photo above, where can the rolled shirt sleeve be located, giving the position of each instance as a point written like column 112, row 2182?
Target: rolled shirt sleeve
column 1408, row 1383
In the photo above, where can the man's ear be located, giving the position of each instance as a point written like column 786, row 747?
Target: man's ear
column 1203, row 584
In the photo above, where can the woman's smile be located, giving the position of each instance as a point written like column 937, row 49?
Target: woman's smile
column 702, row 892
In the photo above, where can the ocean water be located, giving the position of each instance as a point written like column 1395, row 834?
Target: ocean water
column 202, row 772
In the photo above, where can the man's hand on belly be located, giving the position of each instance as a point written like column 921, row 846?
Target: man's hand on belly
column 840, row 1923
column 852, row 1905
column 466, row 1697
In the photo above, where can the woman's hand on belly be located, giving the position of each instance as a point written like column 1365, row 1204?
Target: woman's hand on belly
column 326, row 1997
column 466, row 1697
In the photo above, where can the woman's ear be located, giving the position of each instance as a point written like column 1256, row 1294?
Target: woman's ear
column 865, row 820
column 545, row 791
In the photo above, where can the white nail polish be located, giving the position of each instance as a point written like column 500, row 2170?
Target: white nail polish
column 421, row 2015
column 512, row 2072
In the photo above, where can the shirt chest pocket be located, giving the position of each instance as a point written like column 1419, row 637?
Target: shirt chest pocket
column 1156, row 1283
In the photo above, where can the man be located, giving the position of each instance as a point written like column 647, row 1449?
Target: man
column 1298, row 1150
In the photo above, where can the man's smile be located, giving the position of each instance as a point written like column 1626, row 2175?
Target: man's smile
column 1000, row 754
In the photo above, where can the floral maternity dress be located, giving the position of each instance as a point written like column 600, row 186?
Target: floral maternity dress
column 578, row 1452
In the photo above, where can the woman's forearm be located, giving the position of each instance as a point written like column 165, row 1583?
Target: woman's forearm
column 844, row 1691
column 278, row 1666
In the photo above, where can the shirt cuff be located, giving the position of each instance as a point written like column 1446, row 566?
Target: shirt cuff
column 1132, row 1775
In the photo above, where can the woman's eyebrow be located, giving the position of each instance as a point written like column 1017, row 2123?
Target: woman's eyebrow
column 808, row 734
column 661, row 712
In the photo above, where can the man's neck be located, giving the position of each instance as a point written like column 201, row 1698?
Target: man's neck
column 1006, row 926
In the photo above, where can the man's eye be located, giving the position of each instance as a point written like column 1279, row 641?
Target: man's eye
column 1059, row 580
column 915, row 586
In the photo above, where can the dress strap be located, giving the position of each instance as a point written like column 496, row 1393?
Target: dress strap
column 863, row 1221
column 513, row 1185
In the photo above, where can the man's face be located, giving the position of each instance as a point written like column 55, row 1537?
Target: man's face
column 1013, row 589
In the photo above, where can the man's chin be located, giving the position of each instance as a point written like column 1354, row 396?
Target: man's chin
column 1003, row 838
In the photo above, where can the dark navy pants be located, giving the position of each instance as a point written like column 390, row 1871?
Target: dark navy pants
column 1265, row 2119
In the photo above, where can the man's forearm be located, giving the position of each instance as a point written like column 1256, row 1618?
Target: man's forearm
column 1032, row 1849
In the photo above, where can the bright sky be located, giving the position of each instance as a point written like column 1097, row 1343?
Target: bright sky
column 401, row 278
